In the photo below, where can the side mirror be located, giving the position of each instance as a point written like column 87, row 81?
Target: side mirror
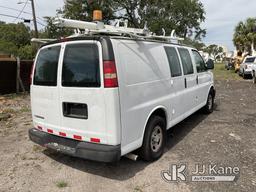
column 210, row 64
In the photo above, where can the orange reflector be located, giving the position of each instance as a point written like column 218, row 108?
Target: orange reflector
column 77, row 137
column 95, row 140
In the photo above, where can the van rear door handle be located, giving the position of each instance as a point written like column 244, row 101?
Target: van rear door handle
column 185, row 81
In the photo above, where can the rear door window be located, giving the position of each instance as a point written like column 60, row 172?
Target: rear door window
column 46, row 67
column 186, row 61
column 81, row 66
column 174, row 62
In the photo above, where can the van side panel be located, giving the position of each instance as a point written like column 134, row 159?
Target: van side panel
column 143, row 72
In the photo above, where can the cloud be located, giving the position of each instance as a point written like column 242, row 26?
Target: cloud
column 223, row 16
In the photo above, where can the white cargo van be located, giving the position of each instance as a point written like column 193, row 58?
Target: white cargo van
column 102, row 97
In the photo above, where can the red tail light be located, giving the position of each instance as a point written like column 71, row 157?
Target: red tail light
column 110, row 74
column 31, row 73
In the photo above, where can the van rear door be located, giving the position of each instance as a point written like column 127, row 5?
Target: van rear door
column 44, row 89
column 82, row 102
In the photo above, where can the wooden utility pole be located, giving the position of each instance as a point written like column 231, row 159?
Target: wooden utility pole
column 34, row 18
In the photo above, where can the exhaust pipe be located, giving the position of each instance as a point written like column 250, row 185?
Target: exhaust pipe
column 132, row 156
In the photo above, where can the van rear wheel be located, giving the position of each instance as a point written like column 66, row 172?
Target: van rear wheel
column 154, row 139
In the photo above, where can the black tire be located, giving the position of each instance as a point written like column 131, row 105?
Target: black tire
column 148, row 152
column 253, row 77
column 244, row 76
column 208, row 108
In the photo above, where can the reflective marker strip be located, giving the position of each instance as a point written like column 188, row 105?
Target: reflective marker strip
column 49, row 131
column 95, row 140
column 62, row 134
column 77, row 137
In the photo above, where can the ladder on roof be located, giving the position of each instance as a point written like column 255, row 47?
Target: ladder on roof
column 82, row 28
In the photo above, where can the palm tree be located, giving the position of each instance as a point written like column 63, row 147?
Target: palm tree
column 245, row 35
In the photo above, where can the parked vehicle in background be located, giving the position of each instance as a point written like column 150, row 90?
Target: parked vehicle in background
column 246, row 66
column 254, row 73
column 238, row 60
column 229, row 64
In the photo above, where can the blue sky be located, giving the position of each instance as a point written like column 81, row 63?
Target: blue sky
column 221, row 16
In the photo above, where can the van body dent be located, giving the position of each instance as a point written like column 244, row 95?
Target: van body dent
column 100, row 98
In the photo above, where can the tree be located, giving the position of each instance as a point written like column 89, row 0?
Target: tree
column 52, row 31
column 8, row 47
column 194, row 43
column 82, row 10
column 27, row 52
column 182, row 15
column 15, row 40
column 18, row 34
column 245, row 35
column 214, row 50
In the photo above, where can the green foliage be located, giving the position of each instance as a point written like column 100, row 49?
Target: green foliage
column 182, row 15
column 220, row 73
column 245, row 34
column 15, row 40
column 18, row 34
column 83, row 10
column 61, row 184
column 195, row 43
column 26, row 52
column 8, row 47
column 54, row 32
column 214, row 50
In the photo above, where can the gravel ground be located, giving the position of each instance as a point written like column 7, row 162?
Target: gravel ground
column 226, row 137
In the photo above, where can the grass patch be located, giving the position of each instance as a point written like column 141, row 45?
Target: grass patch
column 37, row 148
column 220, row 73
column 9, row 111
column 138, row 189
column 4, row 117
column 25, row 110
column 62, row 184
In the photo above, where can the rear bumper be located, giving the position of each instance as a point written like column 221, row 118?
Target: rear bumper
column 85, row 150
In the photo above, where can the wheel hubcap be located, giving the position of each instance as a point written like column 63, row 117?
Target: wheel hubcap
column 156, row 139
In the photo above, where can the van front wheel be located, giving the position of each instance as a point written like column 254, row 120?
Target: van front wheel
column 254, row 77
column 208, row 108
column 154, row 139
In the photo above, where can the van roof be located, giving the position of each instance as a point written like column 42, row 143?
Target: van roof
column 107, row 39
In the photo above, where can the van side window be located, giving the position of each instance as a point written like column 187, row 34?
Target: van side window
column 186, row 61
column 81, row 66
column 174, row 62
column 200, row 64
column 46, row 67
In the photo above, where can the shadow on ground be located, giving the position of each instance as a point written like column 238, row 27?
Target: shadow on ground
column 126, row 169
